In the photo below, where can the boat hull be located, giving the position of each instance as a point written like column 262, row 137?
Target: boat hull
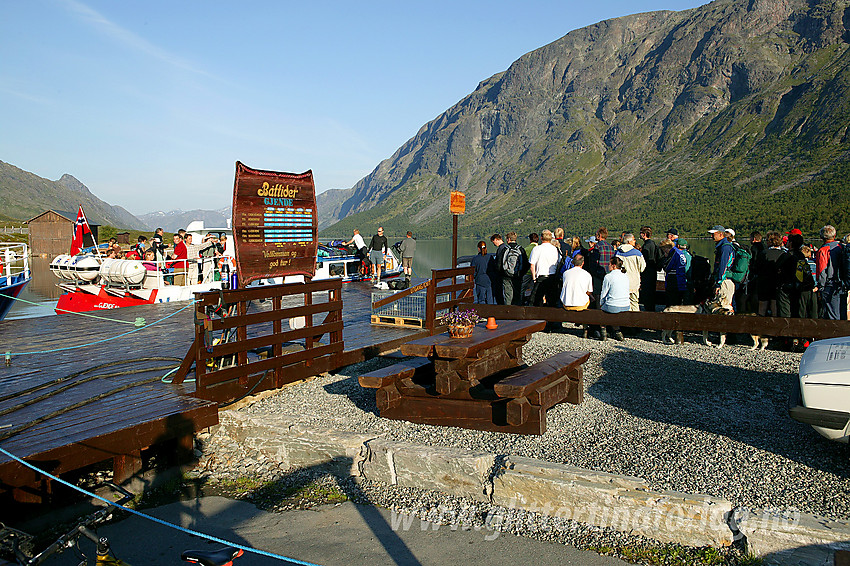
column 100, row 299
column 8, row 295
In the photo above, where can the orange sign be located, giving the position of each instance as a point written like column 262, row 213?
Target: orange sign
column 457, row 205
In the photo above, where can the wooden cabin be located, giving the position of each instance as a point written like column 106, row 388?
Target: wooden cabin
column 51, row 232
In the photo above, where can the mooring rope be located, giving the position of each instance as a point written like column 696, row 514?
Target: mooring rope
column 155, row 519
column 10, row 354
column 138, row 322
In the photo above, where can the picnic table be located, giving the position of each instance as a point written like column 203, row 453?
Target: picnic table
column 479, row 382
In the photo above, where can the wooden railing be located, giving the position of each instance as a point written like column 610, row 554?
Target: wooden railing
column 319, row 338
column 444, row 282
column 678, row 322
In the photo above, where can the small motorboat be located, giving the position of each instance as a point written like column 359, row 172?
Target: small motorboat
column 14, row 274
column 821, row 396
column 94, row 283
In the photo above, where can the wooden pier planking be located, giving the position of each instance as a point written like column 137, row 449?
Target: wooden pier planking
column 120, row 425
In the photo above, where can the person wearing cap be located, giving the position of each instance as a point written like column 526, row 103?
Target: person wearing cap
column 673, row 235
column 677, row 274
column 724, row 256
column 654, row 258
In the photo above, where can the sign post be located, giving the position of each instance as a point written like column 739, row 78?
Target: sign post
column 275, row 224
column 457, row 205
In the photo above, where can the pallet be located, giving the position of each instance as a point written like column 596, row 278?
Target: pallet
column 405, row 321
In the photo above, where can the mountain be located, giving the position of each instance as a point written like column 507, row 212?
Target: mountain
column 176, row 219
column 735, row 112
column 24, row 195
column 329, row 205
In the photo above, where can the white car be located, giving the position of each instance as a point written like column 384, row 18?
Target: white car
column 821, row 397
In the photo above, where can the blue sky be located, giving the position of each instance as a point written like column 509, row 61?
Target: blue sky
column 150, row 104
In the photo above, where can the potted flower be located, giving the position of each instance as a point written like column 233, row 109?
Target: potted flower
column 461, row 323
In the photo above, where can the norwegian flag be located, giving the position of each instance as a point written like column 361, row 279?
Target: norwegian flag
column 81, row 226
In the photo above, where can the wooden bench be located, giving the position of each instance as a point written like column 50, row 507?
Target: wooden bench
column 543, row 385
column 396, row 372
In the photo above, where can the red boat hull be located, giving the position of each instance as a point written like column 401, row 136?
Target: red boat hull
column 79, row 301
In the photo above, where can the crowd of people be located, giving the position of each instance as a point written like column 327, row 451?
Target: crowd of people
column 372, row 256
column 775, row 274
column 184, row 262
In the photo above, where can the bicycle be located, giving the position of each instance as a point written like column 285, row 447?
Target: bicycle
column 19, row 544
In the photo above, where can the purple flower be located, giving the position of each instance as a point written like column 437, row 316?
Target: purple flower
column 461, row 318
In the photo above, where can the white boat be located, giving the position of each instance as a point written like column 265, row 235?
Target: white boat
column 93, row 283
column 821, row 396
column 334, row 260
column 14, row 274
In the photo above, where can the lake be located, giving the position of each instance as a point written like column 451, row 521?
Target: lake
column 430, row 254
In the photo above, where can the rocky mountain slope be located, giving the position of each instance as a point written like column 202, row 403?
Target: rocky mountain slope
column 24, row 195
column 176, row 219
column 734, row 112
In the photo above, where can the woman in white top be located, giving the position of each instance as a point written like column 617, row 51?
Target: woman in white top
column 615, row 293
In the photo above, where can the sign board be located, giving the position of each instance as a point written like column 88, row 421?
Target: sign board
column 275, row 225
column 457, row 204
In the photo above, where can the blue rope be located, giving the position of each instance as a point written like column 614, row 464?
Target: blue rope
column 193, row 301
column 154, row 519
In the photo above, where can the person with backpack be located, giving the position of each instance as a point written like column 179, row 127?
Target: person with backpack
column 806, row 282
column 514, row 264
column 634, row 264
column 739, row 271
column 831, row 263
column 677, row 278
column 773, row 275
column 724, row 256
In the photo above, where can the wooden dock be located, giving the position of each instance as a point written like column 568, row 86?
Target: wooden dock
column 65, row 410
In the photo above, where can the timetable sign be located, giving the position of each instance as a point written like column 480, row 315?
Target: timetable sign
column 275, row 225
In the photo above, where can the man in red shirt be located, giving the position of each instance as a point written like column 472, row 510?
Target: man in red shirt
column 179, row 254
column 828, row 259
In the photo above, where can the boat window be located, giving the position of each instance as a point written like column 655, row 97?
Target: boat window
column 353, row 268
column 336, row 270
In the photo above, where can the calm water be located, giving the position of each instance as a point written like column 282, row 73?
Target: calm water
column 437, row 254
column 430, row 254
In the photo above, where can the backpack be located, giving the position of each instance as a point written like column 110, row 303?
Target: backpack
column 512, row 264
column 399, row 285
column 741, row 264
column 566, row 262
column 843, row 268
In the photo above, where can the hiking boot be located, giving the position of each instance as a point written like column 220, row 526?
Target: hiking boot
column 619, row 336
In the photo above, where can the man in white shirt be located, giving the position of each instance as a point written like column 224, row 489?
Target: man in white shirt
column 358, row 242
column 544, row 262
column 578, row 287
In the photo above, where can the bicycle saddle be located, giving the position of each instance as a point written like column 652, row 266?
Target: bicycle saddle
column 221, row 557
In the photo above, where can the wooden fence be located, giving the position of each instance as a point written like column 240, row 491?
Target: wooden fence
column 309, row 346
column 444, row 282
column 679, row 322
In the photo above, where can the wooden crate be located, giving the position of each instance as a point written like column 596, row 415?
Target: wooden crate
column 405, row 321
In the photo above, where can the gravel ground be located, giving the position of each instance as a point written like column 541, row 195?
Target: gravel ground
column 683, row 417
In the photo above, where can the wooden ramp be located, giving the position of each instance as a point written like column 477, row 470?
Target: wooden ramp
column 65, row 410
